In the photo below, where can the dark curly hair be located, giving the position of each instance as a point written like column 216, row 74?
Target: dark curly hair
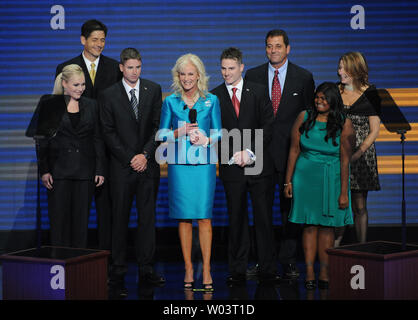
column 336, row 116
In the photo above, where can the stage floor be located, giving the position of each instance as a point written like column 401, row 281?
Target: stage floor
column 173, row 288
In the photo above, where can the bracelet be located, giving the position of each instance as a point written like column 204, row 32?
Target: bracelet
column 286, row 184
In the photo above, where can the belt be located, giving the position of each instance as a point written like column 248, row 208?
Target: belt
column 329, row 200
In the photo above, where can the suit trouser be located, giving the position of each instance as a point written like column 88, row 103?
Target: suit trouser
column 239, row 240
column 69, row 204
column 104, row 216
column 145, row 191
column 290, row 231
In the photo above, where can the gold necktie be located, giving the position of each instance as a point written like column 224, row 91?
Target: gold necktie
column 92, row 73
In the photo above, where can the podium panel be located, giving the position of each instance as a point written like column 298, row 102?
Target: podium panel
column 376, row 270
column 55, row 273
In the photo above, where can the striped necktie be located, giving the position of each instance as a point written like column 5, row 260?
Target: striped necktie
column 134, row 103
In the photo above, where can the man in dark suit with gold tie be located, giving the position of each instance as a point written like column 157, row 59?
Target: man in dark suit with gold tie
column 291, row 90
column 245, row 109
column 100, row 73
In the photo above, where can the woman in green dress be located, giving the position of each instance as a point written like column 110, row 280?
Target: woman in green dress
column 317, row 177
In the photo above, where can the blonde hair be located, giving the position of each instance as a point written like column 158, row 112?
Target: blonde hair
column 66, row 74
column 356, row 66
column 202, row 83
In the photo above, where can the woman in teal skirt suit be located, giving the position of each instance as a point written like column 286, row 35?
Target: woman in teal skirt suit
column 191, row 157
column 317, row 177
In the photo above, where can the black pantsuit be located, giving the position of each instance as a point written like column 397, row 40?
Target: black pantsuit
column 68, row 210
column 73, row 156
column 107, row 74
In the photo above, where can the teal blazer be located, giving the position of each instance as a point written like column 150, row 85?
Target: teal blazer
column 174, row 114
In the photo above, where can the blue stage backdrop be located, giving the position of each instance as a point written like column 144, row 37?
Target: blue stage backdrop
column 36, row 36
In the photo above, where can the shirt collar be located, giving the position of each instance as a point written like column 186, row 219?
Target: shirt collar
column 238, row 85
column 128, row 88
column 282, row 69
column 88, row 62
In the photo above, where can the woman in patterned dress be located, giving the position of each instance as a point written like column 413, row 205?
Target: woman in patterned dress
column 362, row 106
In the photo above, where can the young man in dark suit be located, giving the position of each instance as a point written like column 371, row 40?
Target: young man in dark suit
column 100, row 73
column 291, row 90
column 244, row 110
column 130, row 116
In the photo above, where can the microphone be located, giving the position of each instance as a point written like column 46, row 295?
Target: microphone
column 185, row 107
column 192, row 115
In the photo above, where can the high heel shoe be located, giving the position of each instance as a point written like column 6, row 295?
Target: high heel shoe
column 310, row 284
column 208, row 287
column 188, row 285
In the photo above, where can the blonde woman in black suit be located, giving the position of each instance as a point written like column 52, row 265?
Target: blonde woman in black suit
column 70, row 157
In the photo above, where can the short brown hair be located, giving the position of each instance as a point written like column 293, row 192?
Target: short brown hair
column 232, row 53
column 129, row 53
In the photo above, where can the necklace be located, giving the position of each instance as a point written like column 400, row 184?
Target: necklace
column 191, row 101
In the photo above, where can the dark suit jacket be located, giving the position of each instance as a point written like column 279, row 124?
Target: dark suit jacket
column 108, row 73
column 123, row 134
column 67, row 152
column 298, row 95
column 256, row 112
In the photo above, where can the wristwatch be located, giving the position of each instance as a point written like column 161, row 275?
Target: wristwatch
column 146, row 155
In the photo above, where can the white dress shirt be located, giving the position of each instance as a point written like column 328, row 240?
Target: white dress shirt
column 128, row 89
column 238, row 93
column 88, row 63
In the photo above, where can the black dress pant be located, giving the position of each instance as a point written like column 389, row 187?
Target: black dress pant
column 69, row 203
column 291, row 232
column 239, row 240
column 103, row 203
column 145, row 191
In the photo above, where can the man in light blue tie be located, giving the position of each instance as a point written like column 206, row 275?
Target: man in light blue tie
column 291, row 90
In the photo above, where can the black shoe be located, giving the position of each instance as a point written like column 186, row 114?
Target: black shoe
column 269, row 277
column 236, row 277
column 252, row 272
column 323, row 284
column 153, row 278
column 117, row 290
column 310, row 284
column 290, row 271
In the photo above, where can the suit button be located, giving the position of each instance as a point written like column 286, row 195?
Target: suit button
column 69, row 150
column 76, row 150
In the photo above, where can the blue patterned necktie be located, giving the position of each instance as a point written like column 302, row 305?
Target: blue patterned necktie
column 134, row 103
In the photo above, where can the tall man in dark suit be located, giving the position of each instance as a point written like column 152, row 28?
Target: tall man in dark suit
column 291, row 90
column 100, row 73
column 130, row 116
column 244, row 109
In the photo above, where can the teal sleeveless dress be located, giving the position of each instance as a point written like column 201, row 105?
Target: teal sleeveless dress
column 317, row 181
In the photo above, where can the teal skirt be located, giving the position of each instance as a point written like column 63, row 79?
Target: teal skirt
column 316, row 188
column 191, row 191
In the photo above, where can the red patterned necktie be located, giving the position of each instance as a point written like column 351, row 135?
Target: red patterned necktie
column 235, row 101
column 276, row 92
